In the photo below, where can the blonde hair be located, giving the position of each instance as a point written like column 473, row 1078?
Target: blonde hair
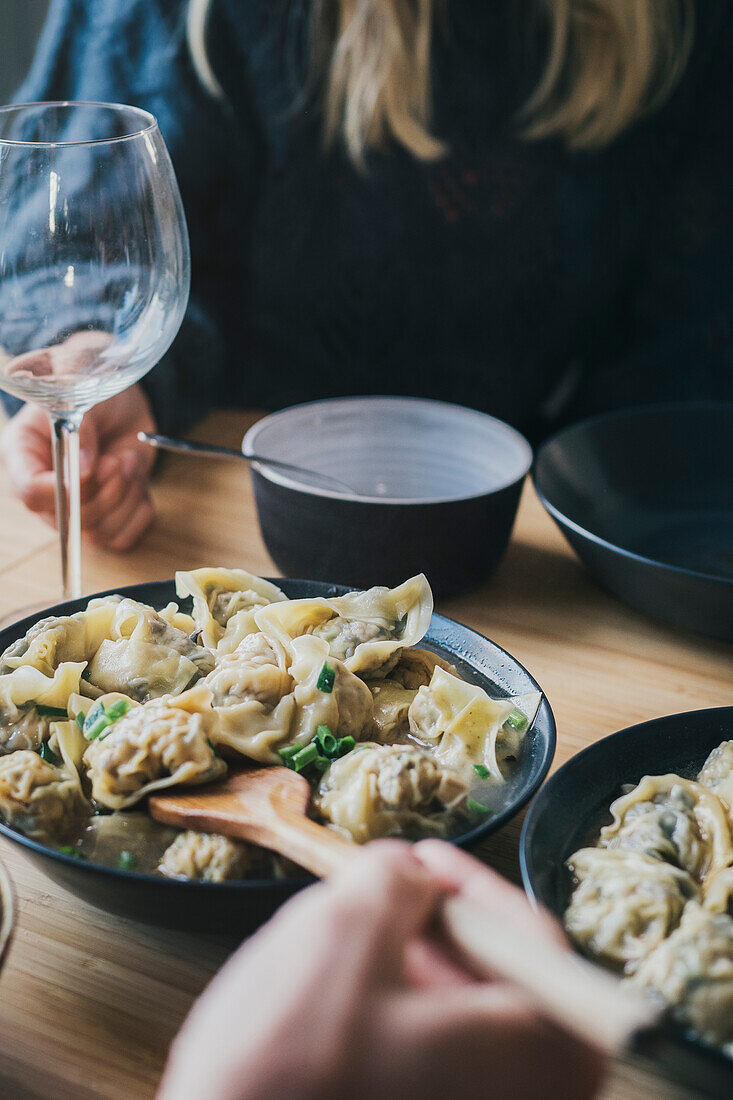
column 609, row 63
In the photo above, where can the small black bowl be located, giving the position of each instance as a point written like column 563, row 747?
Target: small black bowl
column 573, row 805
column 645, row 498
column 239, row 907
column 435, row 490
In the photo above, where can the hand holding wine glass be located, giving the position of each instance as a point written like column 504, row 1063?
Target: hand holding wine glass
column 94, row 281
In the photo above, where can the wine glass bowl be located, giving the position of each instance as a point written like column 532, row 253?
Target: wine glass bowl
column 94, row 269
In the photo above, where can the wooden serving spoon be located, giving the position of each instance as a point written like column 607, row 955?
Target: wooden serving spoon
column 269, row 806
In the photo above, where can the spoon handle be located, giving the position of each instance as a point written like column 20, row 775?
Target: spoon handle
column 213, row 450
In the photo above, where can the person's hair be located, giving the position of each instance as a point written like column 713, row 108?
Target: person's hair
column 609, row 63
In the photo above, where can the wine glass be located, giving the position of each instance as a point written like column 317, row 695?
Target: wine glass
column 94, row 271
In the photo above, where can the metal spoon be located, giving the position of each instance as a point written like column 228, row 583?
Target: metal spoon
column 213, row 450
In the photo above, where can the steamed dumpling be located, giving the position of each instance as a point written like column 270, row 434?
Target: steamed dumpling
column 145, row 656
column 624, row 903
column 40, row 800
column 366, row 631
column 672, row 819
column 52, row 641
column 165, row 742
column 389, row 790
column 224, row 603
column 467, row 727
column 692, row 971
column 717, row 774
column 206, row 857
column 22, row 691
column 346, row 709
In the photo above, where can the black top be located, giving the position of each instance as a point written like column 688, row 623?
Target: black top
column 515, row 276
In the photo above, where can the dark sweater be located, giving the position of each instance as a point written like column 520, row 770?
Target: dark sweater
column 535, row 283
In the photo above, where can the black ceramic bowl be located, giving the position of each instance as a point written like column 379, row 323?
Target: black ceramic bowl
column 573, row 805
column 645, row 498
column 239, row 907
column 436, row 489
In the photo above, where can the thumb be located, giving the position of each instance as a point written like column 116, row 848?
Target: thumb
column 88, row 447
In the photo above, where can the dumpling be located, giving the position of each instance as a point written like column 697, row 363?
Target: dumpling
column 340, row 701
column 206, row 857
column 673, row 819
column 415, row 668
column 467, row 727
column 164, row 743
column 145, row 657
column 52, row 641
column 392, row 704
column 717, row 774
column 692, row 971
column 624, row 904
column 40, row 800
column 389, row 790
column 177, row 618
column 30, row 701
column 252, row 695
column 224, row 603
column 366, row 631
column 718, row 896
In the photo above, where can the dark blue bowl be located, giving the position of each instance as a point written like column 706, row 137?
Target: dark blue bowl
column 239, row 907
column 645, row 498
column 435, row 489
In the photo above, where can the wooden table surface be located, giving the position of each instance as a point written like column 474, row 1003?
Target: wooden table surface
column 90, row 1002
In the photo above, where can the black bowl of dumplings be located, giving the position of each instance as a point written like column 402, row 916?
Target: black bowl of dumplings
column 630, row 844
column 104, row 701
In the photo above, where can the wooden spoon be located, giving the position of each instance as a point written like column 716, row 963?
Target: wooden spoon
column 268, row 806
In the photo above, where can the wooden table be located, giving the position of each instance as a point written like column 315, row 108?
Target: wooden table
column 90, row 1002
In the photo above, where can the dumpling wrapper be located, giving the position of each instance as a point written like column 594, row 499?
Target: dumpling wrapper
column 366, row 631
column 624, row 904
column 42, row 801
column 58, row 639
column 392, row 704
column 466, row 726
column 224, row 603
column 389, row 790
column 21, row 691
column 674, row 819
column 162, row 744
column 717, row 774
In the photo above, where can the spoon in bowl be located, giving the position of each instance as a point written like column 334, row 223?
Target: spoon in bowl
column 213, row 450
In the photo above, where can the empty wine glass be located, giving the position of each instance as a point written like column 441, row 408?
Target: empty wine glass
column 94, row 271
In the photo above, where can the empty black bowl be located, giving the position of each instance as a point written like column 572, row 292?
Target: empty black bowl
column 645, row 498
column 435, row 490
column 238, row 907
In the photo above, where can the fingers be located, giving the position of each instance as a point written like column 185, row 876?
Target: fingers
column 123, row 512
column 26, row 452
column 487, row 889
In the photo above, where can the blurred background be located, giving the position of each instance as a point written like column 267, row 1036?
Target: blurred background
column 20, row 25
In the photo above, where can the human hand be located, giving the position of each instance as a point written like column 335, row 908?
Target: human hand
column 115, row 466
column 349, row 991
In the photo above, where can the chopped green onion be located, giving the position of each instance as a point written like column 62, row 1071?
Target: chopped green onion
column 481, row 771
column 306, row 756
column 69, row 850
column 51, row 712
column 345, row 745
column 516, row 721
column 287, row 754
column 48, row 754
column 127, row 861
column 93, row 716
column 322, row 763
column 474, row 807
column 80, row 721
column 326, row 678
column 92, row 732
column 326, row 741
column 117, row 709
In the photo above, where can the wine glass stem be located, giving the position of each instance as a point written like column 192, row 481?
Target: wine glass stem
column 68, row 502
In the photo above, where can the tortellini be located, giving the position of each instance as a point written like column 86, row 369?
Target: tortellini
column 224, row 604
column 40, row 800
column 164, row 743
column 692, row 970
column 673, row 819
column 22, row 692
column 206, row 857
column 467, row 727
column 365, row 630
column 624, row 903
column 385, row 790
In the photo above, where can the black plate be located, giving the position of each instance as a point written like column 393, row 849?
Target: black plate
column 645, row 498
column 241, row 906
column 573, row 805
